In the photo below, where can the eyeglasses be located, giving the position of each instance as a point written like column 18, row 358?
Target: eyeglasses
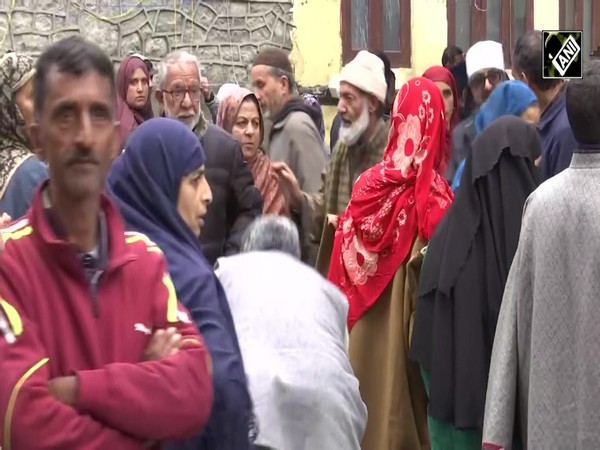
column 179, row 94
column 494, row 76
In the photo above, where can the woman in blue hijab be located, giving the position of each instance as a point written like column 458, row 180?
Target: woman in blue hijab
column 510, row 98
column 159, row 185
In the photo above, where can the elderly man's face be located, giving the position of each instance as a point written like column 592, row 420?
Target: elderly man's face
column 353, row 106
column 180, row 94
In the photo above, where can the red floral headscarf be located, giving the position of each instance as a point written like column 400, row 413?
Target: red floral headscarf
column 402, row 196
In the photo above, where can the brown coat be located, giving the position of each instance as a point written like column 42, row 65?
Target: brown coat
column 390, row 384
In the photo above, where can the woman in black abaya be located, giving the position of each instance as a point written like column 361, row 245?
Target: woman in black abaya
column 463, row 276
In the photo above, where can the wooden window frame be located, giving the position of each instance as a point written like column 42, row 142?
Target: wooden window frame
column 578, row 20
column 479, row 23
column 401, row 58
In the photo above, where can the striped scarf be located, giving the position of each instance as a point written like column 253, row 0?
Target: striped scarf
column 339, row 181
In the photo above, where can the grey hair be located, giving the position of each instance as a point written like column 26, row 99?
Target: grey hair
column 173, row 58
column 271, row 232
column 279, row 73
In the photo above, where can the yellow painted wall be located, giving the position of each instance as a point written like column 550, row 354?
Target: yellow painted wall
column 317, row 52
column 545, row 14
column 429, row 37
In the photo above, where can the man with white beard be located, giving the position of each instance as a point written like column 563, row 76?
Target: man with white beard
column 236, row 201
column 362, row 139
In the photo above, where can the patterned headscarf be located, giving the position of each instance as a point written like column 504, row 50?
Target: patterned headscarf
column 312, row 102
column 393, row 201
column 275, row 202
column 15, row 71
column 229, row 106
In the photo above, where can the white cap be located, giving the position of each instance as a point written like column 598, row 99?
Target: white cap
column 485, row 55
column 334, row 86
column 366, row 72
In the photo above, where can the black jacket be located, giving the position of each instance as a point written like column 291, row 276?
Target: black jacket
column 462, row 142
column 236, row 201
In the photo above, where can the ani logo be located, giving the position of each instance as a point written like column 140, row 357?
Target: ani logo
column 562, row 58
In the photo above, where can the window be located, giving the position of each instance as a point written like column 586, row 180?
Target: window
column 476, row 20
column 377, row 25
column 582, row 15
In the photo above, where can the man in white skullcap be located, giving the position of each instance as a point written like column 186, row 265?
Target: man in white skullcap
column 363, row 91
column 362, row 139
column 485, row 69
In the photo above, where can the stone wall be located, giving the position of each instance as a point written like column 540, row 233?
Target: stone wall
column 226, row 35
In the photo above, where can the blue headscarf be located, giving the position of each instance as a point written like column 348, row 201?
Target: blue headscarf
column 509, row 98
column 144, row 182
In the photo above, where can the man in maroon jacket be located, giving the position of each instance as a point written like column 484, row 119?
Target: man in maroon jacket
column 98, row 353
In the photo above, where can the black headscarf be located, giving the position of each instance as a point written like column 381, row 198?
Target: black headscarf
column 459, row 72
column 465, row 270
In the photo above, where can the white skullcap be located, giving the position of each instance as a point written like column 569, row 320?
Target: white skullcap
column 334, row 86
column 484, row 55
column 366, row 72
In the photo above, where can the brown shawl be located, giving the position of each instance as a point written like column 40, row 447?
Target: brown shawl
column 275, row 201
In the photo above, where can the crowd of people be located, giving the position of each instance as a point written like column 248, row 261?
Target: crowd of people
column 185, row 269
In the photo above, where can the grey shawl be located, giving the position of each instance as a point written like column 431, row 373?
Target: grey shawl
column 291, row 325
column 545, row 370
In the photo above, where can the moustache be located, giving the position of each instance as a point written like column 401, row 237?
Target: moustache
column 82, row 159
